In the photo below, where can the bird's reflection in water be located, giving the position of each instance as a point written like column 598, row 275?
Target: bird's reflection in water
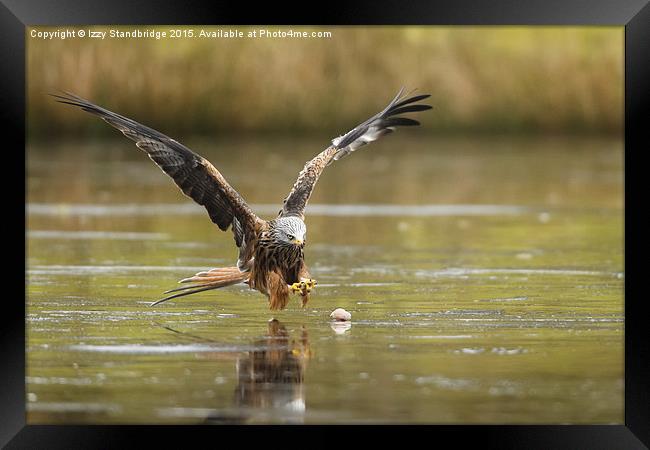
column 270, row 379
column 272, row 376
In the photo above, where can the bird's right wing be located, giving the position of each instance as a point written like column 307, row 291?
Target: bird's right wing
column 193, row 174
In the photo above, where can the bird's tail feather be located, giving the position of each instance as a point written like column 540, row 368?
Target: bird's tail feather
column 204, row 281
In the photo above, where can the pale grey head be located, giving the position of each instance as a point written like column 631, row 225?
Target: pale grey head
column 290, row 230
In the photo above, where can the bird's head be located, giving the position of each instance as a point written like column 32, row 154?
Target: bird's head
column 290, row 231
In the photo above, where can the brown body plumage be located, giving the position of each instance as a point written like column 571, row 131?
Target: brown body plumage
column 275, row 267
column 271, row 253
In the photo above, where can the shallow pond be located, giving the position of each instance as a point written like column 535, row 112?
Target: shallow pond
column 484, row 276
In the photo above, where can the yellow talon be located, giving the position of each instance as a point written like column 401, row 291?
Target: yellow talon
column 297, row 287
column 310, row 284
column 303, row 287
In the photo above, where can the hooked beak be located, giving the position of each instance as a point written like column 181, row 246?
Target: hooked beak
column 297, row 242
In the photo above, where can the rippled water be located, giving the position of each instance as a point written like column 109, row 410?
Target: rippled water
column 484, row 277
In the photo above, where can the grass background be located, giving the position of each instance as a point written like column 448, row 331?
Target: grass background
column 482, row 79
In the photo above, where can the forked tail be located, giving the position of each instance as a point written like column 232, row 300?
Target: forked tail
column 204, row 281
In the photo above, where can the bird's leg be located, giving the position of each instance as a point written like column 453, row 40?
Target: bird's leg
column 304, row 298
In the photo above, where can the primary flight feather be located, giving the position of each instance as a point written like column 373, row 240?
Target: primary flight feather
column 271, row 253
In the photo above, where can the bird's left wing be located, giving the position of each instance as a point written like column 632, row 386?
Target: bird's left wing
column 193, row 174
column 372, row 129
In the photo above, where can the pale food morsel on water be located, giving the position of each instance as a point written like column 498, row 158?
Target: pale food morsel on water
column 341, row 315
column 271, row 252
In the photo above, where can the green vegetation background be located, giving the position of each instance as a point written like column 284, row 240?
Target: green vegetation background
column 482, row 79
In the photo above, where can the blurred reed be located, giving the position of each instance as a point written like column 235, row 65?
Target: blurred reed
column 482, row 79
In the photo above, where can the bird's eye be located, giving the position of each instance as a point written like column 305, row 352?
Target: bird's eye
column 291, row 237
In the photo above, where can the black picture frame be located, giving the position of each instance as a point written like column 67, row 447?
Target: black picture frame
column 634, row 15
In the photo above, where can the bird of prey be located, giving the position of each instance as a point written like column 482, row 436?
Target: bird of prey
column 271, row 253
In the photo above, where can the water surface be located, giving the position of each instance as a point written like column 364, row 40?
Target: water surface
column 484, row 277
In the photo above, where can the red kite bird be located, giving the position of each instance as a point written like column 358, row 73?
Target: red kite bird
column 271, row 257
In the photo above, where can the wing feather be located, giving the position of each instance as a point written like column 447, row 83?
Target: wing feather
column 194, row 175
column 372, row 129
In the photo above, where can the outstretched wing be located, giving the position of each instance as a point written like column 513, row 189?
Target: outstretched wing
column 194, row 175
column 372, row 129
